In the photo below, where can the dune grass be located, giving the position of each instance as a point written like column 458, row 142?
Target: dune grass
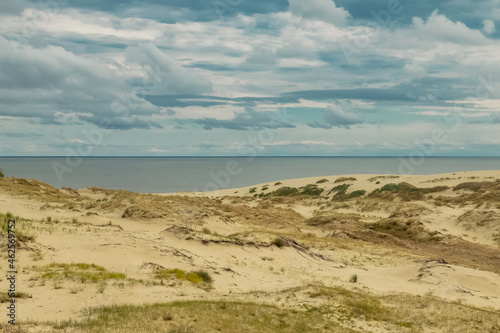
column 23, row 230
column 80, row 272
column 324, row 309
column 193, row 277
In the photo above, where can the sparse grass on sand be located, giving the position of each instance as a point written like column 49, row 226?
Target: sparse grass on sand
column 80, row 272
column 327, row 310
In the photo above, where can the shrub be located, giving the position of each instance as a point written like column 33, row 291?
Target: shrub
column 277, row 183
column 406, row 191
column 253, row 189
column 311, row 189
column 340, row 189
column 279, row 242
column 285, row 191
column 1, row 174
column 471, row 186
column 204, row 275
column 356, row 194
column 321, row 181
column 193, row 277
column 353, row 278
column 345, row 179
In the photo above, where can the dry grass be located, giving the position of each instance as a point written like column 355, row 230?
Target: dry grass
column 35, row 189
column 202, row 316
column 329, row 309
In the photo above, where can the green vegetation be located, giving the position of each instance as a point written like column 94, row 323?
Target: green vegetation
column 193, row 277
column 336, row 310
column 311, row 189
column 277, row 183
column 204, row 275
column 253, row 189
column 407, row 229
column 80, row 272
column 353, row 278
column 321, row 181
column 279, row 242
column 340, row 189
column 345, row 179
column 1, row 174
column 4, row 297
column 204, row 316
column 356, row 194
column 286, row 191
column 478, row 186
column 406, row 191
column 23, row 232
column 382, row 177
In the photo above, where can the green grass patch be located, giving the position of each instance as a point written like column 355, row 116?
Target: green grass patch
column 179, row 274
column 80, row 272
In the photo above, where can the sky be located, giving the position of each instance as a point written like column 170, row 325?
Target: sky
column 241, row 77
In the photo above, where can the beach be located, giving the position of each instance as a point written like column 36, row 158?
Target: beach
column 360, row 253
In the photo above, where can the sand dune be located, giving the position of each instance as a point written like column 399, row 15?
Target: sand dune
column 290, row 243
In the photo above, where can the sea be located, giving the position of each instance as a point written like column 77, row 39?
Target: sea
column 176, row 174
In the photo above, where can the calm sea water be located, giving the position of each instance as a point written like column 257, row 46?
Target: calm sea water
column 173, row 174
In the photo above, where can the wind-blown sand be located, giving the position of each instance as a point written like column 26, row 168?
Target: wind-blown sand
column 437, row 244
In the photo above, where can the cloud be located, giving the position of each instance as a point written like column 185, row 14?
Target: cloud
column 166, row 74
column 335, row 116
column 488, row 26
column 247, row 120
column 322, row 10
column 439, row 27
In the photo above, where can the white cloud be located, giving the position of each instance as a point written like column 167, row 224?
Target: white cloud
column 489, row 26
column 439, row 27
column 322, row 10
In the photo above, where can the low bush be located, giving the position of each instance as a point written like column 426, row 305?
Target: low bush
column 193, row 277
column 345, row 179
column 340, row 189
column 356, row 194
column 279, row 242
